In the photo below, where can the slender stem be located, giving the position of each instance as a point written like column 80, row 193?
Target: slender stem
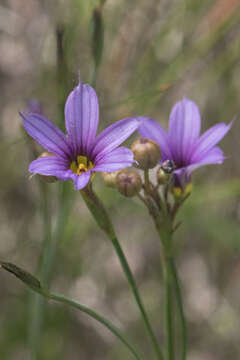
column 165, row 230
column 147, row 181
column 35, row 285
column 135, row 291
column 180, row 307
column 169, row 311
column 96, row 316
column 166, row 238
column 144, row 200
column 100, row 215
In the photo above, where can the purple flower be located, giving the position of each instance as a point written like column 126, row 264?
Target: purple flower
column 183, row 143
column 80, row 153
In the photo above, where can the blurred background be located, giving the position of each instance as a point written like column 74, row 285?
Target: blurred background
column 155, row 52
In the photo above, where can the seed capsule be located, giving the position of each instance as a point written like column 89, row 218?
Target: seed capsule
column 146, row 152
column 128, row 183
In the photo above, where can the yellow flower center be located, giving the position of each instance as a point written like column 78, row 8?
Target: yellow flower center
column 180, row 193
column 81, row 165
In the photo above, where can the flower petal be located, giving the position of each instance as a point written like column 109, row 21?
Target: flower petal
column 52, row 166
column 208, row 140
column 82, row 180
column 115, row 160
column 46, row 134
column 81, row 117
column 184, row 129
column 214, row 156
column 151, row 129
column 114, row 135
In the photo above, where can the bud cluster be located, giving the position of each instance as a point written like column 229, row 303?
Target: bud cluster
column 147, row 155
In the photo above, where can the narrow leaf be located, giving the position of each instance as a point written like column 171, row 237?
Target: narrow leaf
column 23, row 275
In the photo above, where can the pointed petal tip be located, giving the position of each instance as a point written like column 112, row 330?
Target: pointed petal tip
column 186, row 100
column 81, row 117
column 231, row 122
column 47, row 134
column 22, row 115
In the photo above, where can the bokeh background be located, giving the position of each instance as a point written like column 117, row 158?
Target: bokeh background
column 155, row 52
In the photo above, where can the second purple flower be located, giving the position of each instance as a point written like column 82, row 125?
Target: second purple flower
column 182, row 144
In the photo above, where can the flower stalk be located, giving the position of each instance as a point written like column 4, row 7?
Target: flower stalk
column 163, row 216
column 64, row 300
column 165, row 236
column 180, row 308
column 101, row 217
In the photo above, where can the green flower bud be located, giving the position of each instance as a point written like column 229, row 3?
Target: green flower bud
column 146, row 152
column 109, row 178
column 128, row 183
column 162, row 176
column 46, row 178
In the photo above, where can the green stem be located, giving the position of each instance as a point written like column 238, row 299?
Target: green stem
column 169, row 311
column 34, row 284
column 96, row 316
column 135, row 291
column 166, row 238
column 147, row 181
column 181, row 310
column 100, row 215
column 163, row 220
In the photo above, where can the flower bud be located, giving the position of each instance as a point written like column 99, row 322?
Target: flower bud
column 168, row 166
column 128, row 183
column 109, row 178
column 146, row 152
column 47, row 178
column 162, row 176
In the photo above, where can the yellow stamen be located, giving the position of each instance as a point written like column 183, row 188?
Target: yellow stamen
column 188, row 189
column 81, row 165
column 177, row 191
column 180, row 193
